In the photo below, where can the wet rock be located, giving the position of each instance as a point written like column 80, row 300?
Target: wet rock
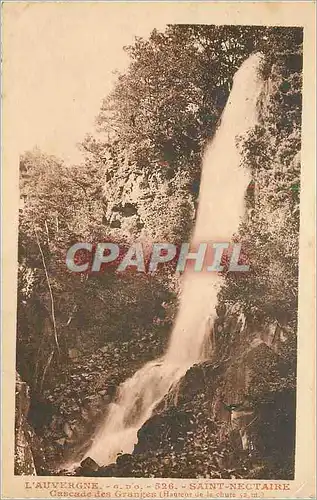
column 123, row 459
column 88, row 465
column 171, row 426
column 61, row 442
column 111, row 391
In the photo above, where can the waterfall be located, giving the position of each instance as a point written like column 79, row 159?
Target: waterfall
column 221, row 207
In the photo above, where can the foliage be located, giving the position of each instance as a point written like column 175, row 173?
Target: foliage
column 140, row 181
column 89, row 310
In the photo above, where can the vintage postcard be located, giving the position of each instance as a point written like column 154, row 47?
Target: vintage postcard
column 158, row 269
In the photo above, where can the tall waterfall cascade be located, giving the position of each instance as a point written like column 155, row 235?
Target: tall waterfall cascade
column 220, row 210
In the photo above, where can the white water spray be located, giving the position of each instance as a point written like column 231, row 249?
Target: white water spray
column 221, row 207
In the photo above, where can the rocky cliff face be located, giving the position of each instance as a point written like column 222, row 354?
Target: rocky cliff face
column 231, row 416
column 29, row 456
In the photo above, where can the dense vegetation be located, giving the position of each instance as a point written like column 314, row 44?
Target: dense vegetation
column 78, row 334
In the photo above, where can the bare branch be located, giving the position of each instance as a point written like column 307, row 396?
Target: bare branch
column 50, row 292
column 46, row 368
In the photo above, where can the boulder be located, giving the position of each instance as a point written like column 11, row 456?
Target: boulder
column 88, row 465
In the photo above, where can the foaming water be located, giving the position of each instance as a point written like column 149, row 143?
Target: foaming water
column 221, row 207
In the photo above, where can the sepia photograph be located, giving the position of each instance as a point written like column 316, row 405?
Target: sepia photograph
column 159, row 189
